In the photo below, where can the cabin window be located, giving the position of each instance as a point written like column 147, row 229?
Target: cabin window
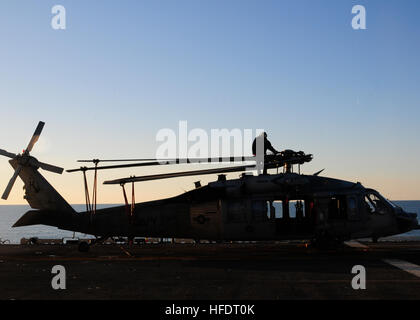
column 291, row 209
column 352, row 208
column 337, row 208
column 299, row 211
column 352, row 203
column 271, row 210
column 274, row 209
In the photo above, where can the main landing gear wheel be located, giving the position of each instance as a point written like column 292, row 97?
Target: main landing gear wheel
column 326, row 242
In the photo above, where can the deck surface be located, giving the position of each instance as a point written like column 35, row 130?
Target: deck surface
column 211, row 271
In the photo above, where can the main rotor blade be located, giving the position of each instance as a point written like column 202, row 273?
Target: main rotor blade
column 35, row 137
column 117, row 160
column 7, row 154
column 11, row 183
column 144, row 164
column 178, row 160
column 164, row 162
column 50, row 167
column 178, row 174
column 271, row 161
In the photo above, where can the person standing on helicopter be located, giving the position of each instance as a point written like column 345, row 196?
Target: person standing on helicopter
column 262, row 138
column 262, row 141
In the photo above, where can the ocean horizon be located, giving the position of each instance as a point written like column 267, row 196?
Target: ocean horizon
column 9, row 214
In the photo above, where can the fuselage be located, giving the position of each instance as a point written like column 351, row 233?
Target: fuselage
column 265, row 207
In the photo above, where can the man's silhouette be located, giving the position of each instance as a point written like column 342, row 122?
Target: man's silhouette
column 262, row 140
column 263, row 145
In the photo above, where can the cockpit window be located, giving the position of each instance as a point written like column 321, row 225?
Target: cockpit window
column 369, row 205
column 374, row 204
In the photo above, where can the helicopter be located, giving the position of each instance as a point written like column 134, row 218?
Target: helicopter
column 249, row 208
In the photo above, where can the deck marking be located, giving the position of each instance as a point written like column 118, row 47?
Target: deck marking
column 356, row 244
column 404, row 265
column 126, row 251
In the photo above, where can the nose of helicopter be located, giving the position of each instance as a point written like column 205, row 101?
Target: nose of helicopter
column 406, row 221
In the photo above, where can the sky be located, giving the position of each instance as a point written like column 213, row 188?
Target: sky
column 123, row 70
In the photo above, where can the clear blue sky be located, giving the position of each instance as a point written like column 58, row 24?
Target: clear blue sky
column 122, row 70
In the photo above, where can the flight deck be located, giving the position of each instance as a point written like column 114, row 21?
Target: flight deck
column 270, row 271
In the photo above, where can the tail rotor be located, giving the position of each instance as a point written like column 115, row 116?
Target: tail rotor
column 25, row 160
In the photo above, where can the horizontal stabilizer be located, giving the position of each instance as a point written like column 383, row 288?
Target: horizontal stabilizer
column 34, row 217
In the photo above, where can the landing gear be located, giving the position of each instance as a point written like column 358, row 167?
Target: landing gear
column 326, row 242
column 375, row 239
column 84, row 246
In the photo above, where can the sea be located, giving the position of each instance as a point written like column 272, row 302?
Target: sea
column 9, row 214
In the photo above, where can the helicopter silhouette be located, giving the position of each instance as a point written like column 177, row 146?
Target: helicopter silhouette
column 249, row 208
